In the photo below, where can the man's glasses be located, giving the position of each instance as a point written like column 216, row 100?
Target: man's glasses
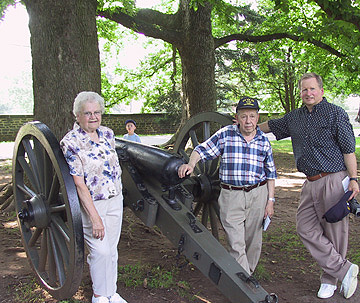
column 89, row 114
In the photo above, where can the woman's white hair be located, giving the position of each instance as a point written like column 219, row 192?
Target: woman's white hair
column 85, row 97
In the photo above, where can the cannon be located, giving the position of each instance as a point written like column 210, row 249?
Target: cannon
column 48, row 209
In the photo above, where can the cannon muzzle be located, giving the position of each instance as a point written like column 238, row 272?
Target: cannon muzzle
column 151, row 161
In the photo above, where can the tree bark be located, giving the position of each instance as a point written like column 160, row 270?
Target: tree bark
column 190, row 31
column 197, row 52
column 65, row 58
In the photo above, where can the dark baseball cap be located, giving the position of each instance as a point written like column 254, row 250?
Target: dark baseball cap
column 247, row 102
column 130, row 121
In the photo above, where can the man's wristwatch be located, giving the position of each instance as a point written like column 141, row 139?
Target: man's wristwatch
column 354, row 179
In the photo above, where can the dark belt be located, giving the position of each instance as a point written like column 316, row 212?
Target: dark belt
column 244, row 188
column 317, row 177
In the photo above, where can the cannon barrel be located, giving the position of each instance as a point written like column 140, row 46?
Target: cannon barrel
column 151, row 161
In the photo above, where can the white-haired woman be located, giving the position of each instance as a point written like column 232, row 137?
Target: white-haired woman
column 89, row 150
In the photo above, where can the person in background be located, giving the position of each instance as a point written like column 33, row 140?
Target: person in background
column 324, row 149
column 89, row 150
column 130, row 126
column 246, row 166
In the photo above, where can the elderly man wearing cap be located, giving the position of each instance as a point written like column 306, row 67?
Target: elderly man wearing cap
column 247, row 165
column 324, row 149
column 130, row 126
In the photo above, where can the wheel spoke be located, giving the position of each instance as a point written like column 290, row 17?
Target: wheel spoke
column 198, row 207
column 59, row 265
column 49, row 174
column 35, row 176
column 39, row 160
column 205, row 215
column 184, row 155
column 43, row 252
column 61, row 245
column 26, row 190
column 35, row 236
column 213, row 221
column 51, row 259
column 54, row 191
column 206, row 130
column 29, row 173
column 61, row 227
column 214, row 168
column 194, row 139
column 215, row 206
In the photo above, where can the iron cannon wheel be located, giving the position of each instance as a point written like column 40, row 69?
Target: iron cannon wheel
column 48, row 210
column 204, row 183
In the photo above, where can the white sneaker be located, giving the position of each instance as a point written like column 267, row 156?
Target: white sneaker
column 115, row 298
column 99, row 299
column 350, row 281
column 326, row 291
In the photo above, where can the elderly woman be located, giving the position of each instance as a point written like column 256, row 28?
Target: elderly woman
column 89, row 150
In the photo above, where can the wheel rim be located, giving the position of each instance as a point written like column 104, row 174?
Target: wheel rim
column 48, row 210
column 204, row 183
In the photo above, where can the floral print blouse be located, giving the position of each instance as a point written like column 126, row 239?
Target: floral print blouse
column 97, row 162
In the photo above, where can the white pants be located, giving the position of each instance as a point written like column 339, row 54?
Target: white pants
column 103, row 255
column 241, row 215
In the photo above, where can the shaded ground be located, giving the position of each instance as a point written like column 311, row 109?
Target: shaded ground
column 285, row 267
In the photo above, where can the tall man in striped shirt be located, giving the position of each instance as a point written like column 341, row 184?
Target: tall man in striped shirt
column 247, row 174
column 324, row 149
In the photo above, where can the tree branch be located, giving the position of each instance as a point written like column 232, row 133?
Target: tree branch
column 341, row 10
column 149, row 22
column 276, row 36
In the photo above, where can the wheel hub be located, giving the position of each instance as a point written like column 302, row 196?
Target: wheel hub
column 204, row 191
column 35, row 213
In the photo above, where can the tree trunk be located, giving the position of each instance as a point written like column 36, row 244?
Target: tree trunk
column 6, row 198
column 65, row 58
column 197, row 52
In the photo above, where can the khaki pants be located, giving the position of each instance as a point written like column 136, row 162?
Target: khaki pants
column 326, row 242
column 241, row 215
column 103, row 255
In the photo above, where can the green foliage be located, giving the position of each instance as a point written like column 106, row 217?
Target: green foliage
column 267, row 70
column 282, row 146
column 145, row 275
column 287, row 242
column 6, row 166
column 4, row 5
column 261, row 273
column 357, row 148
column 27, row 291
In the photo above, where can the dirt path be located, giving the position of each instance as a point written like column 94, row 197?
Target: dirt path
column 286, row 267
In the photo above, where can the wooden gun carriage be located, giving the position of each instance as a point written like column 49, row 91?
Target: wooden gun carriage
column 50, row 220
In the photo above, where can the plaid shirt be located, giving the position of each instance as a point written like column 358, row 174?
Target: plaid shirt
column 242, row 163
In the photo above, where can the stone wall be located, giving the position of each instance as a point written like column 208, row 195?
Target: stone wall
column 147, row 124
column 10, row 124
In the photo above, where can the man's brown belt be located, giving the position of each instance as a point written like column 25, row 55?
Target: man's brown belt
column 317, row 177
column 244, row 188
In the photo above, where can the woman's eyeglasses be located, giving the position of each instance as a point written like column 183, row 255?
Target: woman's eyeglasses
column 89, row 114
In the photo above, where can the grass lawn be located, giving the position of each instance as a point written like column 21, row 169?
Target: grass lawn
column 284, row 146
